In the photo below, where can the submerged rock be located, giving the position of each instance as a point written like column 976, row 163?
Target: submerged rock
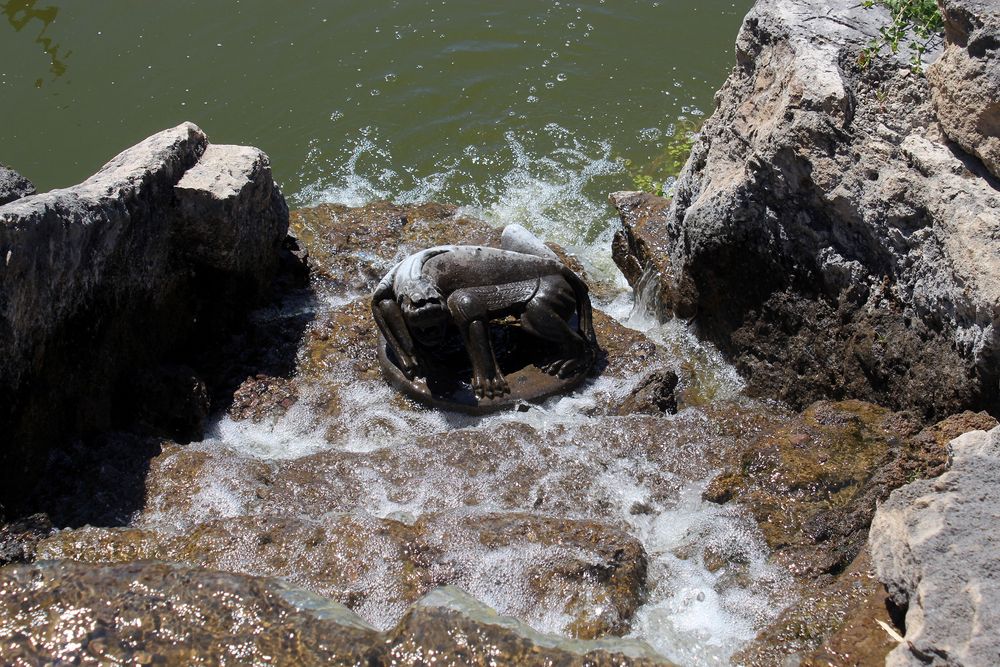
column 13, row 185
column 965, row 81
column 822, row 233
column 935, row 544
column 100, row 282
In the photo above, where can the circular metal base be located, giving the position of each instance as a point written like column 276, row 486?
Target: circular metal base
column 443, row 390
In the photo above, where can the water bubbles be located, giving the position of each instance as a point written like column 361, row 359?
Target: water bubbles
column 336, row 115
column 560, row 76
column 550, row 84
column 649, row 134
column 554, row 55
column 390, row 77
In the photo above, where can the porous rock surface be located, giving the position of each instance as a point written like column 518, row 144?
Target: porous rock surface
column 935, row 544
column 61, row 612
column 823, row 233
column 13, row 185
column 965, row 81
column 101, row 281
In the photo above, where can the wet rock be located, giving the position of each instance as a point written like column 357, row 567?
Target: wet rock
column 814, row 482
column 262, row 396
column 64, row 612
column 822, row 233
column 13, row 185
column 370, row 565
column 453, row 628
column 639, row 250
column 594, row 575
column 965, row 81
column 654, row 395
column 813, row 485
column 171, row 400
column 352, row 248
column 832, row 623
column 106, row 279
column 934, row 544
column 19, row 538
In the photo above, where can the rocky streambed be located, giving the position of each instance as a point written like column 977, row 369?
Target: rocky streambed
column 224, row 477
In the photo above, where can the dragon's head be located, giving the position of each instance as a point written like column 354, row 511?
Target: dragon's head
column 425, row 312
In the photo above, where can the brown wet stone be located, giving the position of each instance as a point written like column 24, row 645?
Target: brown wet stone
column 812, row 484
column 833, row 623
column 159, row 613
column 595, row 573
column 449, row 628
column 262, row 396
column 63, row 612
column 350, row 249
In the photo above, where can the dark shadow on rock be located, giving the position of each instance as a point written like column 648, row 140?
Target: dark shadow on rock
column 973, row 164
column 98, row 478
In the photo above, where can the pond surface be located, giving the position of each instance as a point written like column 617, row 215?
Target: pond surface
column 521, row 109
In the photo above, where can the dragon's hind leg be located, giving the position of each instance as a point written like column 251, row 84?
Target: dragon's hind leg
column 547, row 317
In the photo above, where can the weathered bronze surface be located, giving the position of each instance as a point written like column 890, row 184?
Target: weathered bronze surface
column 476, row 329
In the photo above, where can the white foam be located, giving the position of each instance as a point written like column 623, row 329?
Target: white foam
column 550, row 181
column 553, row 184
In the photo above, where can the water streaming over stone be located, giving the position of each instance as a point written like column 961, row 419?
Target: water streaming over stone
column 576, row 520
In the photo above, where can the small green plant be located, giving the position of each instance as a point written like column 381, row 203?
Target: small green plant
column 655, row 175
column 921, row 18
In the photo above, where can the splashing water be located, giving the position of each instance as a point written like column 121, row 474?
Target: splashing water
column 710, row 585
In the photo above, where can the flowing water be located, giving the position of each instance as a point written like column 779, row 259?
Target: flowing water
column 522, row 111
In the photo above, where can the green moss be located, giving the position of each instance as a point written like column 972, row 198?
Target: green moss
column 654, row 176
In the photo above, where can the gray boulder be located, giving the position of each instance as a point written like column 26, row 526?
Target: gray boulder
column 13, row 185
column 934, row 544
column 823, row 233
column 100, row 281
column 965, row 81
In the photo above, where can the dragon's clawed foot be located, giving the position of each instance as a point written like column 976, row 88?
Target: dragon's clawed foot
column 489, row 387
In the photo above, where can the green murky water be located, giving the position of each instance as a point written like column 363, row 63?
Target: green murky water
column 508, row 107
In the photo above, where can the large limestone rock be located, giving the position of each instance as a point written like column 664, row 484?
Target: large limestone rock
column 100, row 281
column 935, row 546
column 965, row 81
column 822, row 233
